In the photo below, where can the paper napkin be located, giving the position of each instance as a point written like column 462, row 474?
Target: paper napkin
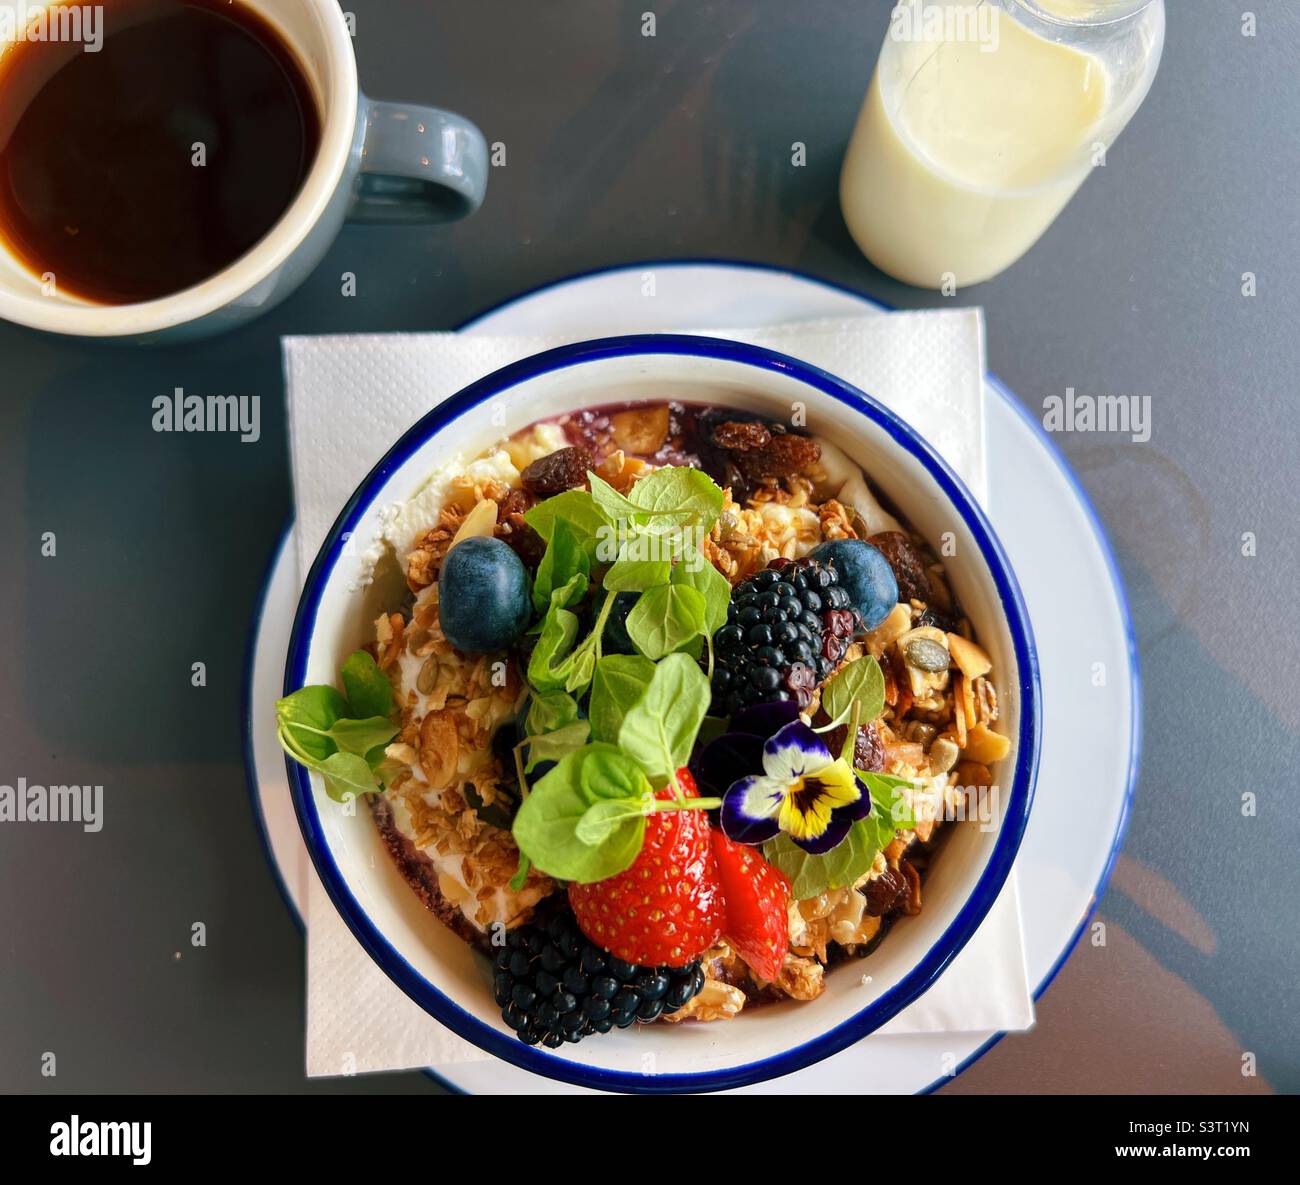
column 350, row 397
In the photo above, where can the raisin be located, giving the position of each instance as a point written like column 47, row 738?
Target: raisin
column 909, row 567
column 515, row 502
column 741, row 436
column 868, row 750
column 884, row 892
column 561, row 470
column 933, row 617
column 526, row 543
column 785, row 456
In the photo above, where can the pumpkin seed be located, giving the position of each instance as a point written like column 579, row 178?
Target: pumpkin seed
column 427, row 679
column 926, row 655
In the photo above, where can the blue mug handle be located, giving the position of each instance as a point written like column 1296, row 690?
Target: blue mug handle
column 418, row 164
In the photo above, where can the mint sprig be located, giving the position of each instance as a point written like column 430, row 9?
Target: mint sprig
column 585, row 820
column 341, row 737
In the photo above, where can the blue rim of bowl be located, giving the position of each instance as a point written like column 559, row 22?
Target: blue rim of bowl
column 969, row 917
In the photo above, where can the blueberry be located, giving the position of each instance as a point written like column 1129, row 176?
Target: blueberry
column 484, row 602
column 864, row 574
column 615, row 639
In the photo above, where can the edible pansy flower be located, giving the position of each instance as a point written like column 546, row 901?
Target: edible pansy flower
column 739, row 750
column 803, row 790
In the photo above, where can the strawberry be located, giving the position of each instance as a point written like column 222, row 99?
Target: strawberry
column 756, row 893
column 666, row 908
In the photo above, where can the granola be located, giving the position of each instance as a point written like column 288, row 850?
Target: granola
column 593, row 577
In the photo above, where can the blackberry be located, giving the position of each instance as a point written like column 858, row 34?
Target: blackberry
column 553, row 985
column 787, row 629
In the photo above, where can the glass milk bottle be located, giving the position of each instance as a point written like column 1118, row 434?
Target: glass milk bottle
column 982, row 120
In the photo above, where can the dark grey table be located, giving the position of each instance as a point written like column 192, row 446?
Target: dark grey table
column 623, row 148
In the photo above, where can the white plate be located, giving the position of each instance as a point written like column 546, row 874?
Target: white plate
column 1066, row 572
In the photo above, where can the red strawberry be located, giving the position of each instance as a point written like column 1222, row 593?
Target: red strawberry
column 757, row 894
column 666, row 909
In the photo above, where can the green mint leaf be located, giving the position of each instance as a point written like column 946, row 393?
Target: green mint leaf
column 620, row 680
column 546, row 824
column 347, row 776
column 551, row 746
column 549, row 711
column 363, row 736
column 843, row 865
column 665, row 618
column 614, row 505
column 520, row 877
column 368, row 689
column 887, row 802
column 660, row 729
column 860, row 682
column 578, row 509
column 695, row 571
column 563, row 563
column 305, row 718
column 629, row 575
column 602, row 819
column 679, row 490
column 559, row 632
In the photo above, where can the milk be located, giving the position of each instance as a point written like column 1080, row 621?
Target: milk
column 970, row 143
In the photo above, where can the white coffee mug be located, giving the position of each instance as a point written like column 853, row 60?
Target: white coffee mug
column 377, row 162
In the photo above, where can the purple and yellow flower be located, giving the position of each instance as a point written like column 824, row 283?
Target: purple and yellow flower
column 803, row 790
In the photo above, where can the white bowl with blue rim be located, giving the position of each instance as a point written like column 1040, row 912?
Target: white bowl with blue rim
column 442, row 973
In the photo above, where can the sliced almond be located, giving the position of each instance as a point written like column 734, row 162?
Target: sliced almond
column 969, row 656
column 986, row 746
column 967, row 701
column 480, row 521
column 439, row 748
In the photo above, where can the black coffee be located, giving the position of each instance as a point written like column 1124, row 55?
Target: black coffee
column 150, row 165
